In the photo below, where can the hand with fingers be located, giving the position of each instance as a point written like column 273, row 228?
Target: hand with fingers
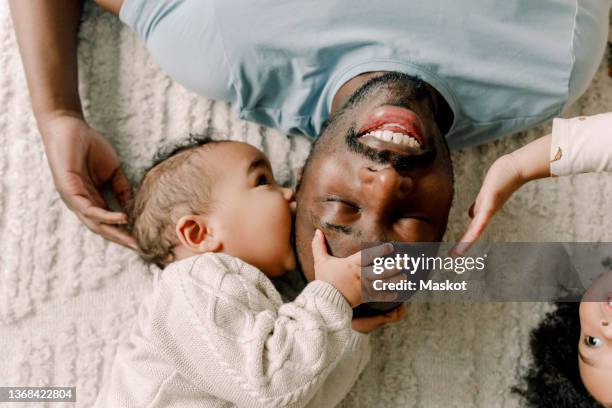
column 388, row 275
column 501, row 181
column 82, row 161
column 371, row 323
column 343, row 273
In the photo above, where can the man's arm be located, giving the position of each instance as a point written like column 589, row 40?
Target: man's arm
column 80, row 158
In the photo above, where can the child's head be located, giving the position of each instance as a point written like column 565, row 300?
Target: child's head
column 214, row 197
column 553, row 377
column 595, row 345
column 572, row 353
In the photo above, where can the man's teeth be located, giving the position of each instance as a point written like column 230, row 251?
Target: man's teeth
column 393, row 137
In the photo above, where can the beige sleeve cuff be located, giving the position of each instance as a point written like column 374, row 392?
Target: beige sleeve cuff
column 330, row 302
column 581, row 145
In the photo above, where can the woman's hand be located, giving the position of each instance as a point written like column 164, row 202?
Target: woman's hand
column 81, row 161
column 501, row 181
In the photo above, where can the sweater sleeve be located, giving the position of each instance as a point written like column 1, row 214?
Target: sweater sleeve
column 581, row 145
column 344, row 376
column 223, row 324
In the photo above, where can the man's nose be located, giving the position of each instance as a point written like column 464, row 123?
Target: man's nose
column 385, row 185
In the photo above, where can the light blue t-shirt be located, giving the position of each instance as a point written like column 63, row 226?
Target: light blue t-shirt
column 502, row 65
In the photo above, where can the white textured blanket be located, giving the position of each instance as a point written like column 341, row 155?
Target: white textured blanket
column 67, row 297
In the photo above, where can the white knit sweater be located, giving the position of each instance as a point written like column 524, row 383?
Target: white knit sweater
column 215, row 333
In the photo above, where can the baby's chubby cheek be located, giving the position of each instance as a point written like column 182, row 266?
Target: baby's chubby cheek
column 278, row 250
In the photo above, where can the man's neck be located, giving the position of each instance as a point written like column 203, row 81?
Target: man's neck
column 442, row 111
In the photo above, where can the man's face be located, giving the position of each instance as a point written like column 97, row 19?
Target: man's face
column 380, row 172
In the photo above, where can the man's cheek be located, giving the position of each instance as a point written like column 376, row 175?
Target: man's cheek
column 342, row 248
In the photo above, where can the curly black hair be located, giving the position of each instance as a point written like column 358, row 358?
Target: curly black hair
column 553, row 378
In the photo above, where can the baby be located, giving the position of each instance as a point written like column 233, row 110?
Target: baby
column 577, row 145
column 214, row 331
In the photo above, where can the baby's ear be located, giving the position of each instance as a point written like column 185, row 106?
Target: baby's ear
column 194, row 233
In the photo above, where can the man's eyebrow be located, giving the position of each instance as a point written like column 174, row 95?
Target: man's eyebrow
column 343, row 229
column 258, row 162
column 585, row 360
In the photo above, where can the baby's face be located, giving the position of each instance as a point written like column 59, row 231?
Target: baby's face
column 251, row 214
column 595, row 346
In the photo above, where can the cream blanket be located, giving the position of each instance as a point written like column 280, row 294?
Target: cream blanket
column 67, row 297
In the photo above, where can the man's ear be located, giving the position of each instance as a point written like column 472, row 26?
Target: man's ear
column 196, row 234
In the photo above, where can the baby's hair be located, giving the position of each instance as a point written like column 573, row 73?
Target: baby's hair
column 175, row 185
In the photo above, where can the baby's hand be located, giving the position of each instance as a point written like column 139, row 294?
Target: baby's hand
column 343, row 273
column 371, row 323
column 501, row 181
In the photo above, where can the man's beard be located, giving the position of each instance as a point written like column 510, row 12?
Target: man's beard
column 409, row 89
column 400, row 162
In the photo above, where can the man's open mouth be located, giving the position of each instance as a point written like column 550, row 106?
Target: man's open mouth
column 395, row 129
